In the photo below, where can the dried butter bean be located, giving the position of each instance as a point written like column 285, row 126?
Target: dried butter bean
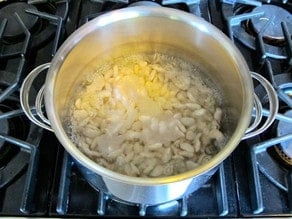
column 187, row 121
column 181, row 127
column 152, row 75
column 191, row 165
column 186, row 154
column 199, row 112
column 155, row 146
column 166, row 156
column 149, row 168
column 190, row 135
column 157, row 171
column 187, row 147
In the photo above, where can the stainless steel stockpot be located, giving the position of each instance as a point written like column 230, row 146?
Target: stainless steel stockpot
column 148, row 29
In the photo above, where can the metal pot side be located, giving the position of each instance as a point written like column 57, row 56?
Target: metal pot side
column 149, row 195
column 137, row 29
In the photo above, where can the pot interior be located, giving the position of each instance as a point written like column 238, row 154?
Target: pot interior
column 140, row 29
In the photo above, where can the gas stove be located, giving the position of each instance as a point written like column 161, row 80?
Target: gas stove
column 39, row 178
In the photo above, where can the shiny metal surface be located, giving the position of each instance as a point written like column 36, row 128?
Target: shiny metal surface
column 24, row 98
column 131, row 30
column 274, row 106
column 149, row 195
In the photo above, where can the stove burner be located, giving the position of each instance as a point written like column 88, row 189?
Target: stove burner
column 270, row 22
column 11, row 126
column 280, row 152
column 13, row 28
column 261, row 28
column 285, row 149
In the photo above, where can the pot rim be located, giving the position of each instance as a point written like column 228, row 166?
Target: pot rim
column 130, row 13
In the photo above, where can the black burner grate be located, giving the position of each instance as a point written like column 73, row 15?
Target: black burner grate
column 24, row 189
column 218, row 193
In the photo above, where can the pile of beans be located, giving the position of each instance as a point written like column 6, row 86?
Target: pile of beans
column 147, row 116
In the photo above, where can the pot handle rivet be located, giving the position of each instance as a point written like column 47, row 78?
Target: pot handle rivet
column 35, row 114
column 254, row 130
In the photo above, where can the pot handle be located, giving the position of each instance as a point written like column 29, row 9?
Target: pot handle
column 254, row 130
column 34, row 114
column 39, row 118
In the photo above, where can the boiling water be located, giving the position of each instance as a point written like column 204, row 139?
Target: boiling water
column 148, row 115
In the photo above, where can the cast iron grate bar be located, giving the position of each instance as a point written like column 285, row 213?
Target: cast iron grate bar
column 55, row 20
column 184, row 206
column 20, row 54
column 288, row 42
column 29, row 186
column 269, row 70
column 280, row 117
column 289, row 186
column 17, row 164
column 281, row 94
column 11, row 114
column 63, row 194
column 246, row 2
column 12, row 169
column 237, row 19
column 255, row 184
column 260, row 45
column 2, row 28
column 26, row 41
column 142, row 210
column 101, row 205
column 16, row 82
column 221, row 191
